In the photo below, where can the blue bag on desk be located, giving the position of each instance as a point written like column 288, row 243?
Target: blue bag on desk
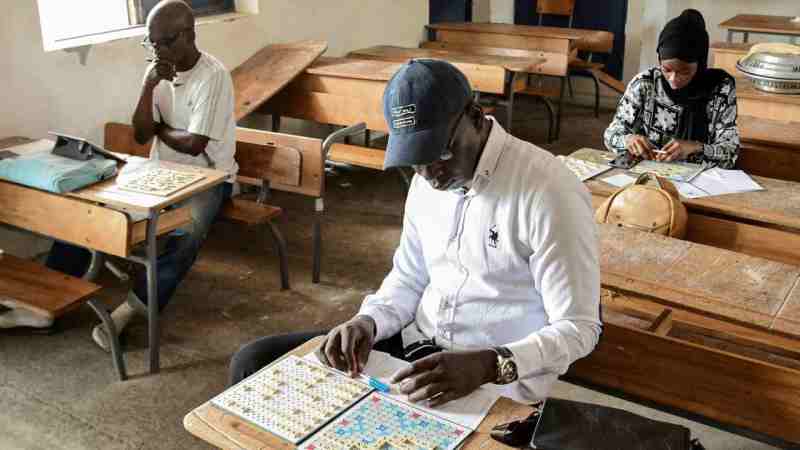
column 49, row 172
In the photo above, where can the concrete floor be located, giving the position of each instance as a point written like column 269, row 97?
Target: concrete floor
column 60, row 391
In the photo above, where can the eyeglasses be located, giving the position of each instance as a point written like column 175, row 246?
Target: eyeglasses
column 166, row 42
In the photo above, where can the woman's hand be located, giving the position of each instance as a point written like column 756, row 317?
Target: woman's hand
column 639, row 146
column 678, row 149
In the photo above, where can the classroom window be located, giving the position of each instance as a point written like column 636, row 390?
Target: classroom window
column 75, row 23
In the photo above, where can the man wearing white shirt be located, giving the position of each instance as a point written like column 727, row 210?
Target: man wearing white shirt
column 496, row 279
column 186, row 107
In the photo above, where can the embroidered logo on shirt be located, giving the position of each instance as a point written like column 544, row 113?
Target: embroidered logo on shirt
column 404, row 116
column 494, row 236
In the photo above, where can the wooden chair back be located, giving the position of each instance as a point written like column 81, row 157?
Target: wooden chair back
column 555, row 8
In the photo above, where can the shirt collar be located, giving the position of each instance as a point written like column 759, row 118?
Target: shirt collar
column 491, row 155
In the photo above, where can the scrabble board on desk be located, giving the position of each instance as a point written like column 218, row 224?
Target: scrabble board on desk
column 158, row 181
column 292, row 398
column 380, row 423
column 316, row 408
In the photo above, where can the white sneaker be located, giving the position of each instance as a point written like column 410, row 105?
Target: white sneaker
column 23, row 318
column 121, row 317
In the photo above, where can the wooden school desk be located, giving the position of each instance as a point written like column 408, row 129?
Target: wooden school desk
column 498, row 75
column 763, row 223
column 225, row 430
column 761, row 24
column 107, row 220
column 558, row 46
column 702, row 329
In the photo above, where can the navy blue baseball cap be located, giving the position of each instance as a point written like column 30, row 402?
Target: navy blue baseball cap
column 419, row 102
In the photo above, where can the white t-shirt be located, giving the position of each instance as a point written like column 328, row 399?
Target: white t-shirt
column 199, row 101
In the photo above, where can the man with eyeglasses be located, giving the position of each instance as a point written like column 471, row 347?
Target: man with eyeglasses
column 186, row 107
column 496, row 280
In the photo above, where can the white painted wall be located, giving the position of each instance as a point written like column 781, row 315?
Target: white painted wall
column 53, row 91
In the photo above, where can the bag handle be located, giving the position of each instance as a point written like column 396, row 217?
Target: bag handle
column 663, row 183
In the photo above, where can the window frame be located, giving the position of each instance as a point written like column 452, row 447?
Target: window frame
column 241, row 9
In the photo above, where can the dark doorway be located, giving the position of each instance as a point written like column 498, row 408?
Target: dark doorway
column 450, row 11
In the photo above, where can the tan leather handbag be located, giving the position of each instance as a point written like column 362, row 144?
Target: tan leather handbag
column 654, row 209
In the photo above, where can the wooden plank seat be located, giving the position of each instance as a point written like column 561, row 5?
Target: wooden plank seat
column 260, row 163
column 48, row 293
column 357, row 155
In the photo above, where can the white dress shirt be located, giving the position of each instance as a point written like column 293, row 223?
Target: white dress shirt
column 513, row 262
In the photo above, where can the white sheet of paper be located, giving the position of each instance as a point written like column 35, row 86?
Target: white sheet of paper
column 467, row 411
column 688, row 190
column 619, row 180
column 719, row 182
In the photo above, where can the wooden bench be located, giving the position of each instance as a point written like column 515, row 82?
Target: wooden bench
column 262, row 163
column 48, row 293
column 699, row 328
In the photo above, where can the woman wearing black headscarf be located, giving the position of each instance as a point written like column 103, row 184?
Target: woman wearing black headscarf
column 681, row 109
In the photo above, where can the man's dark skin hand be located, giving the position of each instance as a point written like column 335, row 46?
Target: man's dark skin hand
column 347, row 346
column 446, row 376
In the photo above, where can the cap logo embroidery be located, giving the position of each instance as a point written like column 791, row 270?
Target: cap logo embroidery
column 404, row 116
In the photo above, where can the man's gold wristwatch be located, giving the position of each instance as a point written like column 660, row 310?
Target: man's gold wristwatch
column 506, row 366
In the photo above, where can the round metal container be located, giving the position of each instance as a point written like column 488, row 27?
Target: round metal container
column 772, row 72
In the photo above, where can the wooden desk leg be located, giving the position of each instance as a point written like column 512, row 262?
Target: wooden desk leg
column 111, row 330
column 151, row 258
column 97, row 263
column 319, row 210
column 560, row 107
column 511, row 79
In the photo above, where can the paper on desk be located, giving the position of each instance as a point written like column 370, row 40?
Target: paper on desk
column 619, row 180
column 467, row 411
column 719, row 182
column 688, row 190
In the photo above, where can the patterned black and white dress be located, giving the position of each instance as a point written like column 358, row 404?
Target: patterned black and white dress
column 647, row 110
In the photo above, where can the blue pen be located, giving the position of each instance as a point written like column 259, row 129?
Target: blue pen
column 377, row 384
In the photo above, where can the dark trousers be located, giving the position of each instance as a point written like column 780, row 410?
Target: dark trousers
column 257, row 354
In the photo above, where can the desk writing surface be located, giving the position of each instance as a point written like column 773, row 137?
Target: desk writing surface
column 778, row 204
column 360, row 69
column 762, row 23
column 225, row 430
column 107, row 193
column 523, row 30
column 402, row 54
column 716, row 281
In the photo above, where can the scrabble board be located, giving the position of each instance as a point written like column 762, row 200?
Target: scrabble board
column 381, row 423
column 678, row 171
column 158, row 181
column 583, row 169
column 292, row 398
